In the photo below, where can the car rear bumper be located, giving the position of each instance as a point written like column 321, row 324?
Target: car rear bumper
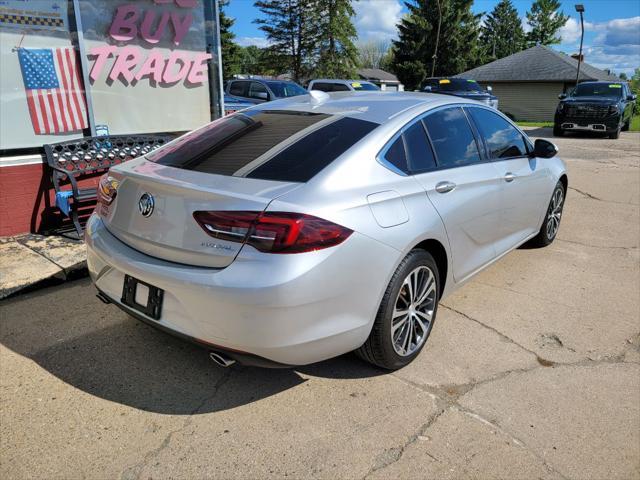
column 287, row 309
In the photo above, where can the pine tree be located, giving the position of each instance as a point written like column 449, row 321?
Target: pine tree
column 229, row 49
column 458, row 48
column 502, row 34
column 545, row 20
column 337, row 55
column 292, row 27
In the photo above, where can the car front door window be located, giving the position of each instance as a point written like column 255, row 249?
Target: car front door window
column 501, row 138
column 258, row 91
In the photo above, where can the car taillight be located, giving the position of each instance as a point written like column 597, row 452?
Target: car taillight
column 107, row 189
column 273, row 232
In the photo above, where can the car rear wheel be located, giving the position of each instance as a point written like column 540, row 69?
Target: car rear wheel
column 627, row 124
column 406, row 314
column 551, row 224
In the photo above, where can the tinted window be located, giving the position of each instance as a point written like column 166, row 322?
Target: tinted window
column 228, row 145
column 304, row 159
column 395, row 155
column 286, row 89
column 419, row 154
column 452, row 138
column 503, row 141
column 239, row 89
column 256, row 89
column 598, row 90
column 323, row 87
column 340, row 87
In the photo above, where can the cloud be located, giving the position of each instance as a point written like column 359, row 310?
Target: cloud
column 570, row 33
column 257, row 41
column 377, row 19
column 621, row 31
column 617, row 45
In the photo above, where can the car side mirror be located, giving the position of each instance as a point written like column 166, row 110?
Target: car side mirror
column 489, row 88
column 632, row 97
column 562, row 96
column 544, row 148
column 427, row 89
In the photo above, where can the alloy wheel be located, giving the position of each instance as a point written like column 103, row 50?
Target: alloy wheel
column 413, row 311
column 555, row 212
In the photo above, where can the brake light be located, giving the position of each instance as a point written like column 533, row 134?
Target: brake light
column 273, row 232
column 107, row 189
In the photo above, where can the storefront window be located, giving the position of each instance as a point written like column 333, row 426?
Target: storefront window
column 140, row 66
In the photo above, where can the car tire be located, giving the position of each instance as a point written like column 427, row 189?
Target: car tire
column 615, row 135
column 554, row 211
column 626, row 125
column 383, row 347
column 557, row 131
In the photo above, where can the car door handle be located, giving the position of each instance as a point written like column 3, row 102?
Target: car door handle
column 444, row 187
column 509, row 177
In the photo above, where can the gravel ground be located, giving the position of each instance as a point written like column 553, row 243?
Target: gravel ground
column 532, row 371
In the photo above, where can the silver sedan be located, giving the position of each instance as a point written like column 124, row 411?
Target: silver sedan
column 301, row 229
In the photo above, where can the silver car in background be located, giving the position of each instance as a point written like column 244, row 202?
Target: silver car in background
column 305, row 228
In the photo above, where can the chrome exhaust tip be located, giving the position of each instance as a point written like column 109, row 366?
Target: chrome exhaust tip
column 221, row 359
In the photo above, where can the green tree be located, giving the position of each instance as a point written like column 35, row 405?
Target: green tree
column 623, row 76
column 293, row 30
column 458, row 48
column 229, row 49
column 635, row 81
column 338, row 55
column 502, row 34
column 545, row 19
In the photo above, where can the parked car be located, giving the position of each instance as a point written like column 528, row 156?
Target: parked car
column 595, row 107
column 234, row 104
column 298, row 230
column 461, row 87
column 258, row 90
column 332, row 85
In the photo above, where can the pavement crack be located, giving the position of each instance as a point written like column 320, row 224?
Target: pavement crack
column 608, row 247
column 586, row 194
column 133, row 472
column 494, row 330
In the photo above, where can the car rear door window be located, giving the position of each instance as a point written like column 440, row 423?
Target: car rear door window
column 258, row 91
column 340, row 87
column 395, row 155
column 239, row 89
column 452, row 138
column 322, row 86
column 420, row 157
column 501, row 138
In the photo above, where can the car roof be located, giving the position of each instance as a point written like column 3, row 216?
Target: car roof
column 339, row 80
column 602, row 82
column 376, row 107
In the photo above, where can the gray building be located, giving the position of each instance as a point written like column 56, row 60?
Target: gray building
column 528, row 83
column 385, row 80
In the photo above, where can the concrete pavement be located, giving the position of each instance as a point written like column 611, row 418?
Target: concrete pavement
column 532, row 371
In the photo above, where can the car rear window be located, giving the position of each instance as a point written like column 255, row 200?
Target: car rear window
column 230, row 145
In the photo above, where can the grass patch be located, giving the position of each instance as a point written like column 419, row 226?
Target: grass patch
column 535, row 124
column 635, row 124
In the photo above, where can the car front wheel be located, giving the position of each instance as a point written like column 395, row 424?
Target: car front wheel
column 557, row 131
column 406, row 314
column 551, row 224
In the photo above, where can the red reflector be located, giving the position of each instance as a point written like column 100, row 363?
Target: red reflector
column 273, row 232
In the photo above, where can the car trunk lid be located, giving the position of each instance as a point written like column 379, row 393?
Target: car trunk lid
column 164, row 227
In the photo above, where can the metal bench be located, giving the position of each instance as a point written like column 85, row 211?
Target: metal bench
column 88, row 156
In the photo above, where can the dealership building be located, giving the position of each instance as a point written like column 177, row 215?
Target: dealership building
column 86, row 71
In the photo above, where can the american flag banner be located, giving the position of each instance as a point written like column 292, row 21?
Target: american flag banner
column 55, row 94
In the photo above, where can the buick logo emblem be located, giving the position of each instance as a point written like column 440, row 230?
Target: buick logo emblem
column 146, row 204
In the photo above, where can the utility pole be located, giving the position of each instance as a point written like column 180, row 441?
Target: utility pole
column 580, row 10
column 435, row 52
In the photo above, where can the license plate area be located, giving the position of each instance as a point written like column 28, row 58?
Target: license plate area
column 143, row 297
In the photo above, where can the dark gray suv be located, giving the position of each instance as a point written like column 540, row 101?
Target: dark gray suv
column 256, row 90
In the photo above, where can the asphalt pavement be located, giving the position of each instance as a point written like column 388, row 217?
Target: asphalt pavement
column 532, row 371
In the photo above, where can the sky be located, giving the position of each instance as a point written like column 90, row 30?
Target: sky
column 611, row 38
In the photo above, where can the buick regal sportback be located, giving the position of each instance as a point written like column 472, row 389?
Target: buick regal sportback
column 301, row 229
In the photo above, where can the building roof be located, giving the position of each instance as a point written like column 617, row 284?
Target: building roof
column 377, row 74
column 536, row 64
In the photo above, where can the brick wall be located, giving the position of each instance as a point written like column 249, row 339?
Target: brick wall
column 27, row 199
